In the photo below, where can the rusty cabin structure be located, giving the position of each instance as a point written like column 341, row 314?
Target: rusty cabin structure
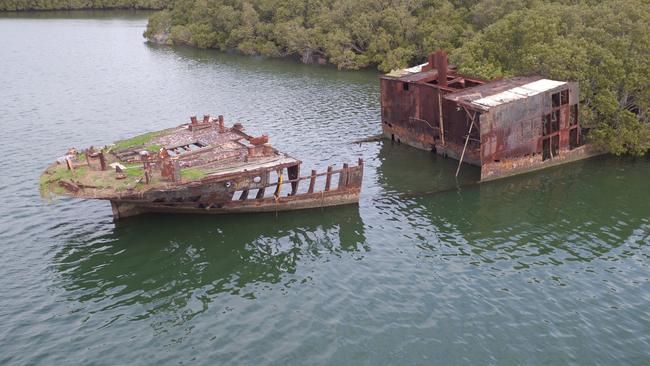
column 504, row 126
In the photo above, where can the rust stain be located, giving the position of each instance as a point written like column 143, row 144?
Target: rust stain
column 519, row 124
column 235, row 172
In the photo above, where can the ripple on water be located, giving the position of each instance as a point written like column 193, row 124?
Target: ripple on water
column 547, row 268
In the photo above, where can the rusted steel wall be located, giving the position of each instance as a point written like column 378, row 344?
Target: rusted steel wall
column 513, row 138
column 511, row 129
column 456, row 122
column 515, row 129
column 413, row 117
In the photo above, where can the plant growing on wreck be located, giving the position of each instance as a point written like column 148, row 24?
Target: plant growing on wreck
column 49, row 180
column 193, row 173
column 140, row 140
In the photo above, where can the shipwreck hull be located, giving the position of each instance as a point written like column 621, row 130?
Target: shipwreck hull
column 122, row 209
column 199, row 167
column 241, row 194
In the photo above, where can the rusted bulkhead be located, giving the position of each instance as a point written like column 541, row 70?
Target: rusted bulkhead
column 505, row 126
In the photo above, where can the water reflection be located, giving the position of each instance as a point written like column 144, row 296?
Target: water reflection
column 177, row 265
column 416, row 172
column 266, row 67
column 550, row 217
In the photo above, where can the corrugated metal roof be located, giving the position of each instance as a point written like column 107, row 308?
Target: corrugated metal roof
column 519, row 92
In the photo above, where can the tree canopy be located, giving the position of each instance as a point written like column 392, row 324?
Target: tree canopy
column 19, row 5
column 604, row 45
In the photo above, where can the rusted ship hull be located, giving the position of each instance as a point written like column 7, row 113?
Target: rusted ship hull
column 202, row 167
column 242, row 194
column 122, row 209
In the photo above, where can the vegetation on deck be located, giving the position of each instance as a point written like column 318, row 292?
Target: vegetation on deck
column 604, row 45
column 193, row 173
column 94, row 178
column 140, row 140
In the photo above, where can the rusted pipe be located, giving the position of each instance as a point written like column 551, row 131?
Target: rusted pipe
column 441, row 67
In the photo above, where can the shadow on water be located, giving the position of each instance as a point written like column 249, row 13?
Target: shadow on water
column 164, row 262
column 414, row 172
column 290, row 68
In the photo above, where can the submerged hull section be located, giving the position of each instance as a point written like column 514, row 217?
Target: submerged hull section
column 122, row 209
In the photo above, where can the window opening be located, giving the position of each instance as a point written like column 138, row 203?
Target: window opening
column 573, row 116
column 573, row 138
column 546, row 149
column 555, row 98
column 555, row 121
column 546, row 124
column 564, row 97
column 555, row 146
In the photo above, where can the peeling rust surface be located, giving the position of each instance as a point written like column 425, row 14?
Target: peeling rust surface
column 202, row 166
column 519, row 124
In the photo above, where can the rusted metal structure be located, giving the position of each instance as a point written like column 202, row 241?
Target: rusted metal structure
column 505, row 126
column 199, row 167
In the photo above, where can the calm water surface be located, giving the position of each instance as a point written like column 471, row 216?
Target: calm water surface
column 547, row 268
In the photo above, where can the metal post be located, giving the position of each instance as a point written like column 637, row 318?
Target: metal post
column 460, row 162
column 102, row 160
column 441, row 123
column 343, row 176
column 312, row 182
column 328, row 180
column 279, row 185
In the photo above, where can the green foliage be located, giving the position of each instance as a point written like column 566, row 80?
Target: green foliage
column 605, row 47
column 133, row 170
column 139, row 140
column 603, row 44
column 49, row 181
column 19, row 5
column 350, row 34
column 155, row 148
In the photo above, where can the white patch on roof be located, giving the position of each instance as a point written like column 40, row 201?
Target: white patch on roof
column 416, row 69
column 543, row 85
column 519, row 92
column 408, row 71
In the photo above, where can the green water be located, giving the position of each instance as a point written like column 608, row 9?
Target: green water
column 546, row 268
